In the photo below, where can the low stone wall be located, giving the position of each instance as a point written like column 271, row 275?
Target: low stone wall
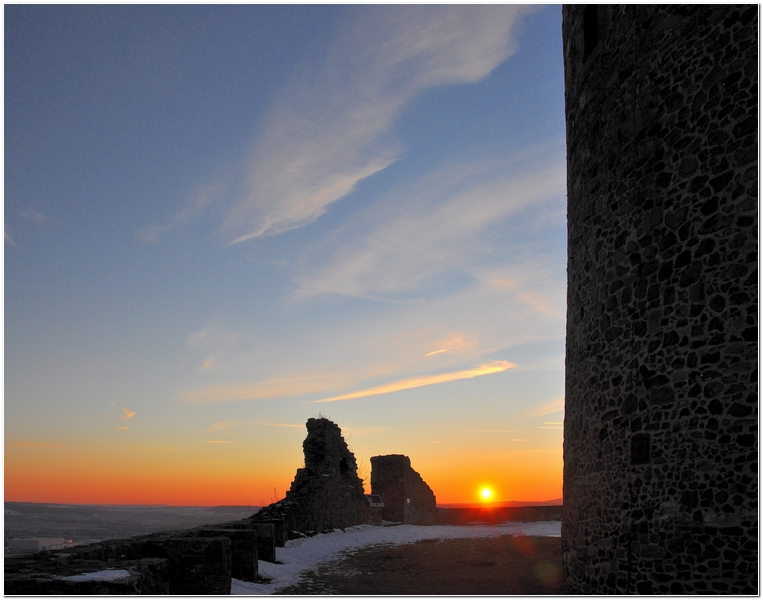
column 464, row 516
column 197, row 561
column 43, row 575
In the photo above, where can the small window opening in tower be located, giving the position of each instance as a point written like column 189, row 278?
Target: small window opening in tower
column 590, row 29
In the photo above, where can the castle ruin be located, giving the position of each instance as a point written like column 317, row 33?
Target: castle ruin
column 407, row 497
column 661, row 440
column 327, row 493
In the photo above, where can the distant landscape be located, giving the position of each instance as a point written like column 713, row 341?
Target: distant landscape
column 505, row 504
column 85, row 523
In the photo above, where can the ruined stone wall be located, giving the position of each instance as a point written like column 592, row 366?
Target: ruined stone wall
column 197, row 561
column 661, row 441
column 407, row 498
column 327, row 493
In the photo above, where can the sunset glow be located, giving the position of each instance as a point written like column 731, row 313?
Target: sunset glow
column 221, row 221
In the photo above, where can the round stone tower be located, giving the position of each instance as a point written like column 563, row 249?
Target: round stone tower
column 660, row 432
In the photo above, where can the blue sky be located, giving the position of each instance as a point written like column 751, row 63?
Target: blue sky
column 221, row 221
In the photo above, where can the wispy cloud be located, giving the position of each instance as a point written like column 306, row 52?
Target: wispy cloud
column 213, row 336
column 535, row 300
column 34, row 215
column 262, row 390
column 128, row 414
column 219, row 442
column 194, row 206
column 414, row 382
column 330, row 130
column 9, row 236
column 214, row 345
column 454, row 344
column 121, row 428
column 555, row 405
column 431, row 230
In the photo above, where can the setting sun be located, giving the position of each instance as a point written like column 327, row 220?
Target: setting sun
column 486, row 494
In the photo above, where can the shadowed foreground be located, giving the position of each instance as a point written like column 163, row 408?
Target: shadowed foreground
column 469, row 566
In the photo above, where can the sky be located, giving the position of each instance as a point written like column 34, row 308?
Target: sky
column 221, row 221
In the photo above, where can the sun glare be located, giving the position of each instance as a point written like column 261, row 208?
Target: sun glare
column 486, row 494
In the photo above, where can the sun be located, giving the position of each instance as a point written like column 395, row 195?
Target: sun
column 486, row 494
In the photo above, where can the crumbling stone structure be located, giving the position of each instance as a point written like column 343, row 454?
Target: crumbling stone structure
column 327, row 493
column 661, row 440
column 407, row 498
column 186, row 562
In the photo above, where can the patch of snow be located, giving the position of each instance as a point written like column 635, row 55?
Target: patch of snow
column 304, row 554
column 106, row 575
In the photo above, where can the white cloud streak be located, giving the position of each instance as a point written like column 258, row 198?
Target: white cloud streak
column 331, row 129
column 414, row 382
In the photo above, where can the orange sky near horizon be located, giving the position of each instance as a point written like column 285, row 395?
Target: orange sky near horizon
column 60, row 474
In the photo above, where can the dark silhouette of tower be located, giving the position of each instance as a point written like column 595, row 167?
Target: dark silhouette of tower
column 660, row 435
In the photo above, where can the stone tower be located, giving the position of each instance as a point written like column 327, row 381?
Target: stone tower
column 661, row 441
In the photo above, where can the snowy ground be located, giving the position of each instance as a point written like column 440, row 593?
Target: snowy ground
column 301, row 555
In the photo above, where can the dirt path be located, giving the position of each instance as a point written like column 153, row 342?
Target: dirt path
column 468, row 566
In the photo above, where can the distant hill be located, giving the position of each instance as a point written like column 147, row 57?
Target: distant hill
column 508, row 503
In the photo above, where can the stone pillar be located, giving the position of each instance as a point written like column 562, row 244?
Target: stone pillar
column 661, row 442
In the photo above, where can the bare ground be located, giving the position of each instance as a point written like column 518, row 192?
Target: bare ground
column 470, row 566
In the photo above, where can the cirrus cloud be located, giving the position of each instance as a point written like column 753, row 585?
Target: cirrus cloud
column 497, row 366
column 331, row 129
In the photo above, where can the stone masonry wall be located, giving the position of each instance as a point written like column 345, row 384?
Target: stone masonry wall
column 661, row 440
column 195, row 561
column 407, row 498
column 327, row 493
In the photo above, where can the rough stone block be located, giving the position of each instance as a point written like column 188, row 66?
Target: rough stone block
column 197, row 565
column 243, row 550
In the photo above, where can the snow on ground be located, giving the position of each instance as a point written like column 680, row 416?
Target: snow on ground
column 107, row 575
column 301, row 555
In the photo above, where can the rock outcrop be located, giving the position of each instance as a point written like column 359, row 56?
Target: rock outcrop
column 407, row 497
column 327, row 493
